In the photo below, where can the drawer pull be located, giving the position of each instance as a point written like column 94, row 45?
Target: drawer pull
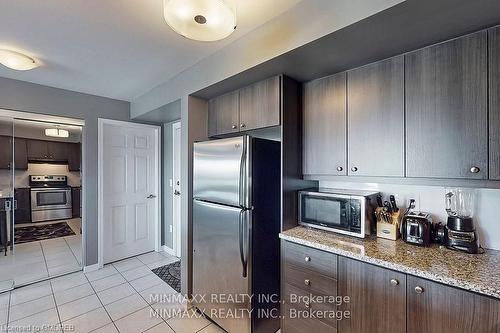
column 394, row 282
column 307, row 304
column 419, row 289
column 307, row 259
column 307, row 282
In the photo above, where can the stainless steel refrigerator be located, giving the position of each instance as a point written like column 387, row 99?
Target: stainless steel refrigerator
column 236, row 221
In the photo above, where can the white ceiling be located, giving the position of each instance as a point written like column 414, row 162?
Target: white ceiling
column 114, row 48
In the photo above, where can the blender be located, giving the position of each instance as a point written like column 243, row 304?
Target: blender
column 460, row 233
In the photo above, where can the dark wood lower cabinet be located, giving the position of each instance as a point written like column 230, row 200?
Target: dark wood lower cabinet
column 377, row 298
column 76, row 197
column 436, row 308
column 22, row 213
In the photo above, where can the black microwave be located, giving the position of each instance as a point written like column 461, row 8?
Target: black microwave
column 348, row 212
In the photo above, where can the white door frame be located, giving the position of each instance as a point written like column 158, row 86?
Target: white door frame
column 100, row 171
column 176, row 215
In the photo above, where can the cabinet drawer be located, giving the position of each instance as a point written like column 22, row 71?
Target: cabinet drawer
column 301, row 325
column 310, row 281
column 311, row 259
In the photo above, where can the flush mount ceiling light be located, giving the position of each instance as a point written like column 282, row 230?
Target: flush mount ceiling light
column 203, row 20
column 16, row 60
column 56, row 132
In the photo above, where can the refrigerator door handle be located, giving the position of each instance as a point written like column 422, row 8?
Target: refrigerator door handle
column 242, row 185
column 242, row 231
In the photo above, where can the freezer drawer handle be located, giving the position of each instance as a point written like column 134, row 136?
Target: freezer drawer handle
column 242, row 254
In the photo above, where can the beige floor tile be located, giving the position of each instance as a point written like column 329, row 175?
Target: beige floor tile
column 212, row 328
column 161, row 328
column 4, row 299
column 32, row 307
column 116, row 293
column 74, row 293
column 78, row 307
column 127, row 264
column 37, row 321
column 125, row 306
column 163, row 262
column 151, row 257
column 136, row 273
column 68, row 281
column 106, row 271
column 109, row 328
column 159, row 291
column 138, row 321
column 107, row 282
column 87, row 322
column 3, row 316
column 30, row 293
column 146, row 282
column 189, row 322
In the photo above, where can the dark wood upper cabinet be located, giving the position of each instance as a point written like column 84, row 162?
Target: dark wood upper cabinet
column 446, row 109
column 260, row 104
column 375, row 118
column 74, row 151
column 37, row 150
column 377, row 298
column 324, row 113
column 20, row 154
column 494, row 102
column 436, row 308
column 223, row 114
column 57, row 150
column 6, row 153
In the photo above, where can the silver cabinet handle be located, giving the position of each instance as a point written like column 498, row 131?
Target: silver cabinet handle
column 475, row 169
column 307, row 305
column 339, row 168
column 243, row 125
column 234, row 127
column 177, row 192
column 354, row 169
column 151, row 196
column 419, row 289
column 307, row 258
column 394, row 282
column 307, row 282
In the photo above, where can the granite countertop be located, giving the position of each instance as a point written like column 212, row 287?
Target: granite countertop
column 479, row 273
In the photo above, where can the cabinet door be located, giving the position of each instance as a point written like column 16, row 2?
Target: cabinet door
column 74, row 156
column 57, row 151
column 20, row 154
column 377, row 298
column 325, row 126
column 6, row 152
column 260, row 104
column 223, row 114
column 446, row 111
column 37, row 150
column 375, row 118
column 22, row 214
column 76, row 193
column 437, row 308
column 494, row 100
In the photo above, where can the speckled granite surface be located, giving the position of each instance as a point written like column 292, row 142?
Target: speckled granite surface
column 479, row 273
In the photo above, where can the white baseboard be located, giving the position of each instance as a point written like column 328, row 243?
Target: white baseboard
column 168, row 250
column 91, row 268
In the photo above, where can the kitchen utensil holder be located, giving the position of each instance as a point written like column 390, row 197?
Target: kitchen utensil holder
column 388, row 230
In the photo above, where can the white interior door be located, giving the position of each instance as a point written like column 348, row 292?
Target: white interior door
column 177, row 187
column 129, row 189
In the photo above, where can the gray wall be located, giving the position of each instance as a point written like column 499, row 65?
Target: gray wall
column 29, row 97
column 168, row 166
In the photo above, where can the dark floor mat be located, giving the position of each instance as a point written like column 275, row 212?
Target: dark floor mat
column 41, row 232
column 171, row 274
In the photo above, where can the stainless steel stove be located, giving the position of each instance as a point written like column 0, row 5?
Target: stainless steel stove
column 50, row 198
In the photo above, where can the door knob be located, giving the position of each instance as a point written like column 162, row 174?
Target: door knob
column 177, row 192
column 151, row 196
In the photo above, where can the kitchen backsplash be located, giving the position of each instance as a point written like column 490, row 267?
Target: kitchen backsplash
column 22, row 177
column 431, row 199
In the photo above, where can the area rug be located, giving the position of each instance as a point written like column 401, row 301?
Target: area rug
column 171, row 274
column 41, row 232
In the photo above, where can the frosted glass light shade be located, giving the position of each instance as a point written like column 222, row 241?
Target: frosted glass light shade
column 16, row 60
column 56, row 132
column 203, row 20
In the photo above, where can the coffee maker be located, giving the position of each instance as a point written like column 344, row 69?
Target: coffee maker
column 460, row 233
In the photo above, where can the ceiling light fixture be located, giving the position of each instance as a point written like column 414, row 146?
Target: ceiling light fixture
column 56, row 132
column 16, row 60
column 203, row 20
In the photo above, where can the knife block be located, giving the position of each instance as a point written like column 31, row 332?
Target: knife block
column 388, row 230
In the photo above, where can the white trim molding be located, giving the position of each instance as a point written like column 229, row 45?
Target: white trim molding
column 91, row 268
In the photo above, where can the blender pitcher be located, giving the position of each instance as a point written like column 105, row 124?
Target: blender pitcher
column 460, row 202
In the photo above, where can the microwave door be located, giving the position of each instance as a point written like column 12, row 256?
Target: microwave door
column 220, row 171
column 326, row 212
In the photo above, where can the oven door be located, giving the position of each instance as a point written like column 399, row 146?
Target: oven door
column 50, row 198
column 333, row 212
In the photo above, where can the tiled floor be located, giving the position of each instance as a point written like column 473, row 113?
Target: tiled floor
column 121, row 297
column 41, row 259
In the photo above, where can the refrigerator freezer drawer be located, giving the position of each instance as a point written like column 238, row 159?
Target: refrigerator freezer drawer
column 218, row 269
